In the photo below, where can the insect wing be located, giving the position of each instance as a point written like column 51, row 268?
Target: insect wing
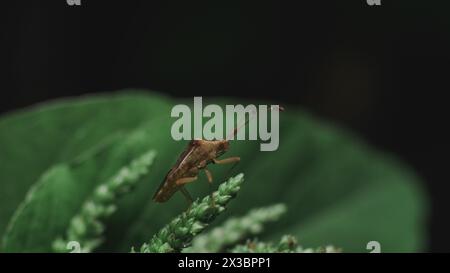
column 183, row 156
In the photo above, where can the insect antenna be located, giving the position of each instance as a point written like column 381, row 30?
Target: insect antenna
column 250, row 117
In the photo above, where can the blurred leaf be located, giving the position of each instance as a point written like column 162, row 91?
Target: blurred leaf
column 60, row 192
column 337, row 190
column 32, row 140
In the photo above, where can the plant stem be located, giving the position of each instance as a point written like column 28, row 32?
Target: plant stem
column 179, row 233
column 236, row 229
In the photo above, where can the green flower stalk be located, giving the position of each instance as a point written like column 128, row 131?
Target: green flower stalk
column 236, row 229
column 179, row 233
column 86, row 228
column 287, row 244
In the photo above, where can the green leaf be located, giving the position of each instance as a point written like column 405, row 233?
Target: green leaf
column 337, row 189
column 87, row 226
column 58, row 195
column 34, row 139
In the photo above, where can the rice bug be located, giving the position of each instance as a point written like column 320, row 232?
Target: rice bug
column 196, row 157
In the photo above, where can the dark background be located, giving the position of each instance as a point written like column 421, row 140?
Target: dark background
column 380, row 71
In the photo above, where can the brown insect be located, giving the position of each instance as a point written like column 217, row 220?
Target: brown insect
column 198, row 154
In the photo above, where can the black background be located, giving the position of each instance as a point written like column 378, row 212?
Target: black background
column 170, row 262
column 380, row 71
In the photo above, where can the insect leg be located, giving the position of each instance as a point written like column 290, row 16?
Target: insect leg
column 233, row 159
column 187, row 196
column 185, row 180
column 208, row 175
column 210, row 180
